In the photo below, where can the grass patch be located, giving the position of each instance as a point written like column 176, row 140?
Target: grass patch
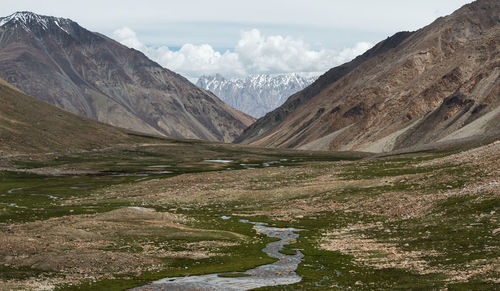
column 27, row 197
column 240, row 258
column 21, row 273
column 459, row 229
column 235, row 258
column 326, row 270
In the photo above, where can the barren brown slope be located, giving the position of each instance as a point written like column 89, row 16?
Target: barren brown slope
column 440, row 83
column 270, row 121
column 58, row 61
column 28, row 125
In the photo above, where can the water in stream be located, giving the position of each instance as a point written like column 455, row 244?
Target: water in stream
column 281, row 272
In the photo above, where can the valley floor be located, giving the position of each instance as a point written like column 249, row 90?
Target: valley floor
column 421, row 220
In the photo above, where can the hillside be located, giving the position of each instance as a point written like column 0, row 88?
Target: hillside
column 440, row 83
column 28, row 125
column 89, row 74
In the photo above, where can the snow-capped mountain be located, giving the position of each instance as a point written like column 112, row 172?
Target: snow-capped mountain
column 29, row 20
column 257, row 94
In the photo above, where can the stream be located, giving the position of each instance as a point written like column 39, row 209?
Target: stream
column 282, row 272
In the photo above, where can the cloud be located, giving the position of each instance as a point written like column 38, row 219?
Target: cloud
column 127, row 37
column 278, row 54
column 195, row 60
column 253, row 54
column 348, row 54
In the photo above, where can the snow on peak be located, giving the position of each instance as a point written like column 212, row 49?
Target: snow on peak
column 24, row 17
column 28, row 19
column 256, row 94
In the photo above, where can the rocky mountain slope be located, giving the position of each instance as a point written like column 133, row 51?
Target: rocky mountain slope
column 28, row 125
column 257, row 94
column 440, row 83
column 58, row 61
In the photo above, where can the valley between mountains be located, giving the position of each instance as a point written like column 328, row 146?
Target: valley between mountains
column 381, row 174
column 123, row 217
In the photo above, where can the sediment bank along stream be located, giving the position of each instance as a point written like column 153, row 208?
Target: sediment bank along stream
column 281, row 272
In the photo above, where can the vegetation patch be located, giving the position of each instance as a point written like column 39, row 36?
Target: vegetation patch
column 420, row 221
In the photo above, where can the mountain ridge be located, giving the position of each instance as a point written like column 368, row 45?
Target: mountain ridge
column 28, row 125
column 89, row 74
column 440, row 82
column 296, row 100
column 256, row 94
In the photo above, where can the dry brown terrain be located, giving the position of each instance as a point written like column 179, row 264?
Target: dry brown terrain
column 57, row 61
column 28, row 125
column 97, row 246
column 439, row 83
column 90, row 247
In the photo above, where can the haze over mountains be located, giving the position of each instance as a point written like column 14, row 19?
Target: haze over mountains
column 57, row 61
column 437, row 84
column 255, row 95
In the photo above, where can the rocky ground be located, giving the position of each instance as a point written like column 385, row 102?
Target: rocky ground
column 423, row 220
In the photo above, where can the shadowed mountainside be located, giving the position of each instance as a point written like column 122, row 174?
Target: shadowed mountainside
column 437, row 84
column 58, row 61
column 29, row 125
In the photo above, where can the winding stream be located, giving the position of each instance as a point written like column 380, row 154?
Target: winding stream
column 282, row 272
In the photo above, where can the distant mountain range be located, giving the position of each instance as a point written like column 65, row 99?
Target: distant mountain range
column 255, row 95
column 439, row 84
column 59, row 62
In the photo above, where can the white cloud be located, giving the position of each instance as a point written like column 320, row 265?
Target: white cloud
column 348, row 54
column 329, row 23
column 254, row 53
column 195, row 60
column 127, row 37
column 278, row 54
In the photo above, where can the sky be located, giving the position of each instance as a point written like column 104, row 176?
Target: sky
column 236, row 38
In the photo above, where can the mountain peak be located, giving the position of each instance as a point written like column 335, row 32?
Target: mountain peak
column 25, row 17
column 256, row 94
column 29, row 19
column 62, row 63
